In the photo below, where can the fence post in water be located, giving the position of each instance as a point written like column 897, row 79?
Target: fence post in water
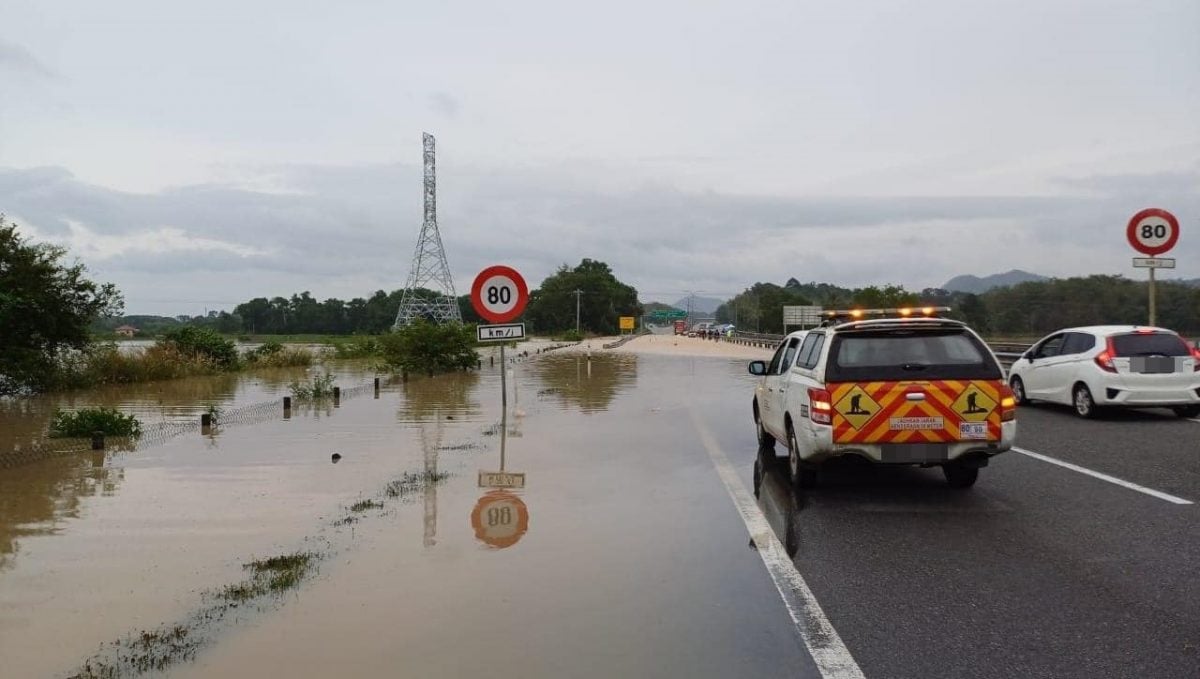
column 287, row 407
column 205, row 423
column 376, row 387
column 337, row 395
column 98, row 440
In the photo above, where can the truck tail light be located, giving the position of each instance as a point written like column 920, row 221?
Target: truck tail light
column 1008, row 404
column 820, row 408
column 1104, row 359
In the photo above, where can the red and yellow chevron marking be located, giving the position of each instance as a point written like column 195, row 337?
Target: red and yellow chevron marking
column 880, row 403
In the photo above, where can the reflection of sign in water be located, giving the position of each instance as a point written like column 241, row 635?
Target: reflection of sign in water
column 501, row 479
column 627, row 322
column 500, row 519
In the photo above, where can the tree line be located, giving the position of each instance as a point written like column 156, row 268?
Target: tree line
column 552, row 309
column 1028, row 309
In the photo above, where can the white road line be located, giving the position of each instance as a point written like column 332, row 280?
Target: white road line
column 831, row 656
column 1104, row 477
column 1195, row 420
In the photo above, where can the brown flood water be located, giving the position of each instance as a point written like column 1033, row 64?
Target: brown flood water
column 575, row 574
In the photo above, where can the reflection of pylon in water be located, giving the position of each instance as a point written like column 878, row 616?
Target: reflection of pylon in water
column 856, row 407
column 972, row 407
column 429, row 490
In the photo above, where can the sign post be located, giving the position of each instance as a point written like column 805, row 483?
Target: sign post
column 1152, row 232
column 499, row 295
column 803, row 316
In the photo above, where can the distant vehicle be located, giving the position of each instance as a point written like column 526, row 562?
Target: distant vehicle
column 910, row 389
column 1103, row 366
column 680, row 327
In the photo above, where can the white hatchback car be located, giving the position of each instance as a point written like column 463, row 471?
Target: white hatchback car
column 1110, row 365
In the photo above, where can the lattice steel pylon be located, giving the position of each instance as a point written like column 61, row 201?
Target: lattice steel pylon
column 429, row 268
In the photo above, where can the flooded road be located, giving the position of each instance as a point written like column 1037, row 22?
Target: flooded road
column 100, row 546
column 633, row 545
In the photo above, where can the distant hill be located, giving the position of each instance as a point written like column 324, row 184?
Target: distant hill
column 978, row 285
column 702, row 305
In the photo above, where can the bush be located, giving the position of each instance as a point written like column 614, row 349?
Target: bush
column 571, row 336
column 275, row 355
column 425, row 347
column 202, row 342
column 88, row 421
column 363, row 347
column 320, row 386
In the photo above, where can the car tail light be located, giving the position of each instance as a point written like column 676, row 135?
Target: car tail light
column 820, row 408
column 1104, row 359
column 1008, row 404
column 1195, row 359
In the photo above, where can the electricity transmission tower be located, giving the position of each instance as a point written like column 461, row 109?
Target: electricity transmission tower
column 429, row 268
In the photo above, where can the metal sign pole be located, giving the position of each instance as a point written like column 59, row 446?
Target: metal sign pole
column 503, row 405
column 1153, row 315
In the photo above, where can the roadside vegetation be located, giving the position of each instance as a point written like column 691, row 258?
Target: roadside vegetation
column 88, row 421
column 430, row 348
column 316, row 387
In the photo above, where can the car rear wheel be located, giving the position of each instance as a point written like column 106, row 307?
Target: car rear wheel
column 1187, row 411
column 1018, row 390
column 800, row 477
column 1085, row 407
column 958, row 476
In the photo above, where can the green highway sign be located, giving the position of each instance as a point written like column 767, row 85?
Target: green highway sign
column 668, row 313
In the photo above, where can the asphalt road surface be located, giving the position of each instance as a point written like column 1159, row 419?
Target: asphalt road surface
column 1041, row 570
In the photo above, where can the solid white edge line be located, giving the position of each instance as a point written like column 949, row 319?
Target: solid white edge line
column 1104, row 477
column 832, row 658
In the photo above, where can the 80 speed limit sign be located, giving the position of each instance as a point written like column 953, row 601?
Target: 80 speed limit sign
column 1153, row 231
column 499, row 294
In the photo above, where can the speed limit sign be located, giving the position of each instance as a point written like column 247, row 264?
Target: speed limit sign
column 1153, row 231
column 499, row 294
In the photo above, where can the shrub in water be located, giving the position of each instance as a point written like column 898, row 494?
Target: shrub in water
column 88, row 421
column 202, row 342
column 321, row 386
column 364, row 347
column 571, row 336
column 275, row 355
column 425, row 347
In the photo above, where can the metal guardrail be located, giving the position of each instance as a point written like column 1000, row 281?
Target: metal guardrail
column 1007, row 352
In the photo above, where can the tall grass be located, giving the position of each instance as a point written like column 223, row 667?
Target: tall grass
column 105, row 364
column 275, row 355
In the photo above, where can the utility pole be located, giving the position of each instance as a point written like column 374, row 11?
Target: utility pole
column 577, row 294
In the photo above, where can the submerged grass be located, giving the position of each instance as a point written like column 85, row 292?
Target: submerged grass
column 413, row 481
column 155, row 650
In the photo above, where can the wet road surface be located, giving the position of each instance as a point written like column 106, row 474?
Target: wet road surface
column 634, row 557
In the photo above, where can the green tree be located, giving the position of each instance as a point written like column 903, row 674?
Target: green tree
column 602, row 301
column 46, row 308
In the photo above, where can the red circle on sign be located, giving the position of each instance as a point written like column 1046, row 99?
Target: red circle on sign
column 504, row 272
column 1152, row 250
column 507, row 529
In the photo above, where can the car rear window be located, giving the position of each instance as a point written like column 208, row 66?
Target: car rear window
column 1149, row 344
column 943, row 354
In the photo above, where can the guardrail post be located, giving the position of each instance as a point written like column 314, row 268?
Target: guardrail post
column 98, row 440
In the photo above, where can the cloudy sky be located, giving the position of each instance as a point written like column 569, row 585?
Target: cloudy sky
column 199, row 154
